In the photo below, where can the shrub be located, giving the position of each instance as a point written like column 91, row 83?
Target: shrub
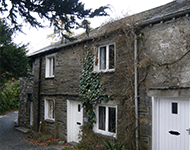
column 9, row 97
column 110, row 145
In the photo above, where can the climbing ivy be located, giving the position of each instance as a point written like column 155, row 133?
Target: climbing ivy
column 90, row 88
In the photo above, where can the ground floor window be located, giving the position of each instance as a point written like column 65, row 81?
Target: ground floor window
column 49, row 112
column 106, row 120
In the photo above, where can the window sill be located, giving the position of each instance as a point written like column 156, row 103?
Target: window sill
column 49, row 77
column 104, row 71
column 104, row 133
column 50, row 120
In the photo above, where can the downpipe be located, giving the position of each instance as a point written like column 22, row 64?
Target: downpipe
column 136, row 90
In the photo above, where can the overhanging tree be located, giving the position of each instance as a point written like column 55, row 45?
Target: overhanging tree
column 13, row 64
column 69, row 12
column 13, row 60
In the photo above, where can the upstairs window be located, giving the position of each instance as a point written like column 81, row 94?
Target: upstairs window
column 106, row 57
column 50, row 66
column 49, row 107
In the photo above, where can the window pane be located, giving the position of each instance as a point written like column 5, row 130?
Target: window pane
column 112, row 120
column 102, row 112
column 53, row 66
column 51, row 109
column 111, row 57
column 50, row 68
column 78, row 107
column 103, row 58
column 174, row 108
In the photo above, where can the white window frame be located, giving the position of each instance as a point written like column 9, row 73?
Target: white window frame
column 47, row 109
column 49, row 67
column 107, row 58
column 96, row 125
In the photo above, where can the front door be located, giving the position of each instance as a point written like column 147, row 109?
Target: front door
column 173, row 124
column 74, row 121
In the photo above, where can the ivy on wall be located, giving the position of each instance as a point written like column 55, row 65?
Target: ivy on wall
column 90, row 88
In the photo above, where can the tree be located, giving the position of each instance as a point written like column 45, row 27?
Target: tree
column 13, row 60
column 13, row 64
column 69, row 12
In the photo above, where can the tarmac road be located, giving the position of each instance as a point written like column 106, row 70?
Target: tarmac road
column 11, row 139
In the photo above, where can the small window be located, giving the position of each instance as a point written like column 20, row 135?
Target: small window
column 106, row 120
column 174, row 108
column 79, row 107
column 49, row 109
column 50, row 66
column 106, row 58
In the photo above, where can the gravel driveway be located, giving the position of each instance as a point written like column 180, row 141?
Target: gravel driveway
column 10, row 139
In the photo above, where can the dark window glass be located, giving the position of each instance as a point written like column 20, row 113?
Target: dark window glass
column 53, row 113
column 174, row 108
column 78, row 107
column 53, row 65
column 111, row 57
column 112, row 120
column 50, row 66
column 103, row 58
column 102, row 117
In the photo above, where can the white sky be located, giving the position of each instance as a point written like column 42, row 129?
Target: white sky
column 37, row 38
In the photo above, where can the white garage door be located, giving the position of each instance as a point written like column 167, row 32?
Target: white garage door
column 172, row 124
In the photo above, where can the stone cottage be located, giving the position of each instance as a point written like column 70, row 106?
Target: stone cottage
column 144, row 65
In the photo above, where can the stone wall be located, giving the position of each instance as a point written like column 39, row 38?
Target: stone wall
column 29, row 92
column 167, row 47
column 62, row 87
column 25, row 96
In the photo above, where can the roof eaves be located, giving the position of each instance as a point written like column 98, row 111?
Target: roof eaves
column 166, row 16
column 58, row 46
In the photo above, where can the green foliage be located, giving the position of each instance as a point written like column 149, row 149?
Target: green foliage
column 9, row 97
column 90, row 88
column 90, row 140
column 13, row 60
column 67, row 148
column 69, row 12
column 110, row 145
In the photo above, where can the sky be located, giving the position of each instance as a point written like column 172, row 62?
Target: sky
column 37, row 38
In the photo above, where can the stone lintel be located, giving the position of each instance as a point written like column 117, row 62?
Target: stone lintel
column 169, row 92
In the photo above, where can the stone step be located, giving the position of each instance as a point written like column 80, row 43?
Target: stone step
column 22, row 129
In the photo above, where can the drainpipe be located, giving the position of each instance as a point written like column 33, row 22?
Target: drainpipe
column 136, row 90
column 39, row 87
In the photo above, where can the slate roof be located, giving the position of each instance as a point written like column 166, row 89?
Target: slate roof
column 157, row 14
